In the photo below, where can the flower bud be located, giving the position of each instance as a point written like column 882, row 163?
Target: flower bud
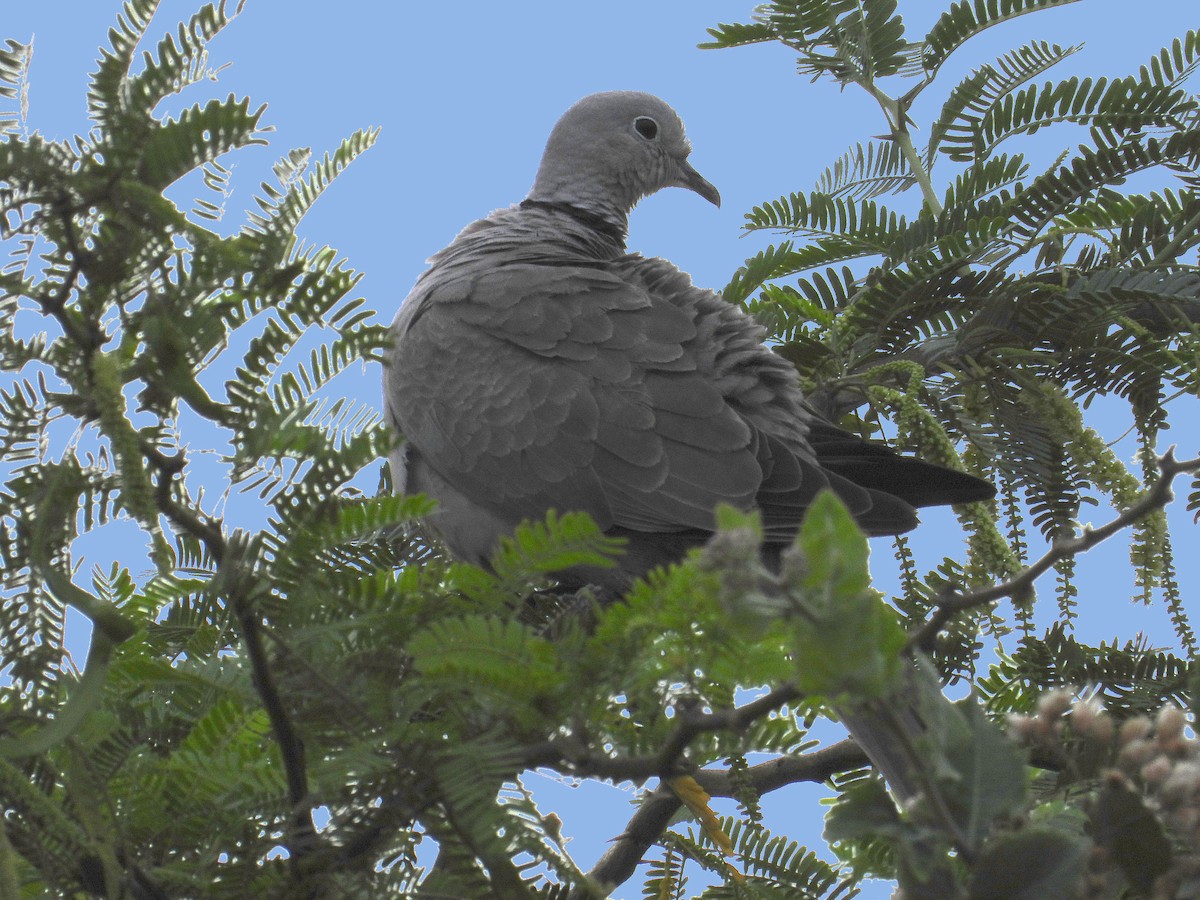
column 1054, row 704
column 1171, row 721
column 1089, row 720
column 1181, row 785
column 1027, row 729
column 1134, row 730
column 1136, row 754
column 1157, row 770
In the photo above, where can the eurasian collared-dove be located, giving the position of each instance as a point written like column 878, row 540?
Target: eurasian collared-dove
column 537, row 365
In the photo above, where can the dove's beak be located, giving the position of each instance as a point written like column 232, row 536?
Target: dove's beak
column 692, row 180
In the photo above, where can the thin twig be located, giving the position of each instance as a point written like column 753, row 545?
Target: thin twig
column 692, row 724
column 1174, row 247
column 953, row 602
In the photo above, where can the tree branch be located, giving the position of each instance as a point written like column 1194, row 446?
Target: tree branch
column 89, row 338
column 896, row 113
column 574, row 755
column 301, row 837
column 660, row 805
column 953, row 602
column 692, row 724
column 617, row 865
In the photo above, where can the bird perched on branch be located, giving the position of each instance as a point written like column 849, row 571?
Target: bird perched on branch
column 538, row 365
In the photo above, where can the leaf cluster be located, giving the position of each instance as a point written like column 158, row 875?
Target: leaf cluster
column 976, row 323
column 979, row 324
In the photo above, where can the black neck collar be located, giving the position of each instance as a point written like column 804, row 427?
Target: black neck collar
column 592, row 220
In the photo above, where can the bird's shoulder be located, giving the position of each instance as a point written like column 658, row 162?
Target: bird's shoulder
column 730, row 348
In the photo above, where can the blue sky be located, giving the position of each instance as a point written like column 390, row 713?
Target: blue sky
column 466, row 94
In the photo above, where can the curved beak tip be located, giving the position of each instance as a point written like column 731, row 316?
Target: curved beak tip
column 694, row 181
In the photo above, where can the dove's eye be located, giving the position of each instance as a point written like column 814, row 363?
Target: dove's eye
column 646, row 127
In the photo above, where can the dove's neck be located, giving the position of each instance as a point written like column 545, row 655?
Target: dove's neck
column 586, row 196
column 605, row 225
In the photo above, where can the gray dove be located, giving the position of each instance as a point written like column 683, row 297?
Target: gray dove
column 538, row 365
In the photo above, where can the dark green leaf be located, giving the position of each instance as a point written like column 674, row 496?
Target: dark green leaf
column 989, row 780
column 1131, row 834
column 967, row 18
column 1035, row 863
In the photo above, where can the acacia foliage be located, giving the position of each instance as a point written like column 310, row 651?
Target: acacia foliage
column 1014, row 294
column 290, row 709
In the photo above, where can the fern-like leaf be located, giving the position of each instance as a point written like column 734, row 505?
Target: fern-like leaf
column 179, row 60
column 866, row 172
column 979, row 91
column 967, row 18
column 106, row 103
column 14, row 74
column 197, row 137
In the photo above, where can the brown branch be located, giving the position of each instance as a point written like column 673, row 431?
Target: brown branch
column 302, row 834
column 574, row 755
column 692, row 724
column 301, row 837
column 659, row 806
column 88, row 339
column 953, row 602
column 617, row 865
column 207, row 530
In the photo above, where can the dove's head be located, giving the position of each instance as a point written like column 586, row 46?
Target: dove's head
column 610, row 150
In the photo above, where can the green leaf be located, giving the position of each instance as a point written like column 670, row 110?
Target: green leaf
column 283, row 210
column 83, row 700
column 835, row 551
column 779, row 859
column 737, row 35
column 863, row 810
column 493, row 664
column 179, row 60
column 198, row 136
column 1036, row 863
column 556, row 543
column 1115, row 107
column 866, row 172
column 977, row 92
column 1131, row 679
column 823, row 214
column 967, row 18
column 106, row 102
column 989, row 779
column 1131, row 834
column 879, row 39
column 847, row 640
column 14, row 84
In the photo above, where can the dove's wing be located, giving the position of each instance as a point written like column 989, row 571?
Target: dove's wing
column 535, row 386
